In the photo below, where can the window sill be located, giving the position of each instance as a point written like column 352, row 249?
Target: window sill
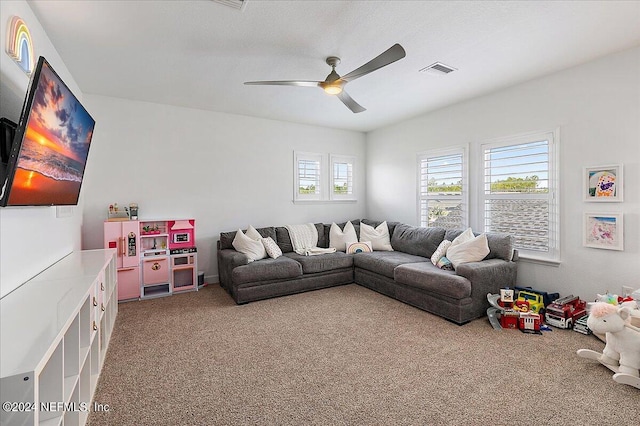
column 324, row 201
column 538, row 260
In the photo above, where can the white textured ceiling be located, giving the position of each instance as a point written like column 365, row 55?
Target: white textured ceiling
column 197, row 54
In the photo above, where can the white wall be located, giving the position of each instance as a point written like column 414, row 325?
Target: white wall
column 226, row 171
column 178, row 162
column 596, row 107
column 31, row 238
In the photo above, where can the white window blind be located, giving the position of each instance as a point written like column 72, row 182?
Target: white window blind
column 519, row 194
column 308, row 176
column 443, row 189
column 342, row 177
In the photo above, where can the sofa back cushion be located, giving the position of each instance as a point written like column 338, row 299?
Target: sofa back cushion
column 416, row 240
column 284, row 240
column 226, row 238
column 500, row 244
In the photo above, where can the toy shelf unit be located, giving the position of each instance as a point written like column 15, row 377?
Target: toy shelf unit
column 50, row 362
column 155, row 257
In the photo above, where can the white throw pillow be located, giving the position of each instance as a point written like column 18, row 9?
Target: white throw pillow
column 361, row 247
column 271, row 247
column 340, row 239
column 252, row 248
column 469, row 251
column 379, row 236
column 440, row 251
column 253, row 233
column 467, row 235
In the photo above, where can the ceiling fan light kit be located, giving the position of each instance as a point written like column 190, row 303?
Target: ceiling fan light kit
column 334, row 84
column 332, row 89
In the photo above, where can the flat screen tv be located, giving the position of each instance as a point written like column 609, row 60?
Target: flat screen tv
column 50, row 147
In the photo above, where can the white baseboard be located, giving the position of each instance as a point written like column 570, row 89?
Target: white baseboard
column 212, row 279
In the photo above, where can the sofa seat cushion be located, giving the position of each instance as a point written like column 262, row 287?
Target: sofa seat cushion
column 266, row 269
column 322, row 262
column 432, row 279
column 384, row 262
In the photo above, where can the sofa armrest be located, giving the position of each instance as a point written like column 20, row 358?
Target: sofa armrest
column 488, row 276
column 228, row 260
column 233, row 257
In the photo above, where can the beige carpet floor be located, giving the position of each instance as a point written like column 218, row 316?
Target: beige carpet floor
column 344, row 356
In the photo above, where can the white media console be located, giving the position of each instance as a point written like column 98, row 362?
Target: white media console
column 54, row 334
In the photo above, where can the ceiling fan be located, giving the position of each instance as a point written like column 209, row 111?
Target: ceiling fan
column 334, row 84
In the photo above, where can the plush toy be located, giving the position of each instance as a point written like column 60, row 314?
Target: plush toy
column 622, row 350
column 629, row 303
column 608, row 298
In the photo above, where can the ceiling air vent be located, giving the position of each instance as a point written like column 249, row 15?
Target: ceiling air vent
column 236, row 4
column 438, row 68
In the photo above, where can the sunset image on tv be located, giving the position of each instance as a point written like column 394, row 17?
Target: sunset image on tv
column 55, row 146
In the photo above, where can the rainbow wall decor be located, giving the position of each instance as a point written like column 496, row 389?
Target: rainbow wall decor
column 19, row 45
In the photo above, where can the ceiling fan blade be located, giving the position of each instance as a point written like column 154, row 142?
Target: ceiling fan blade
column 285, row 83
column 350, row 103
column 394, row 53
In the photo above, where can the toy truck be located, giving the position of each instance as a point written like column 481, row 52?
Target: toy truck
column 530, row 301
column 547, row 298
column 581, row 325
column 564, row 312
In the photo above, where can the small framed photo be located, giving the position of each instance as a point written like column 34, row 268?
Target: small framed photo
column 603, row 183
column 603, row 231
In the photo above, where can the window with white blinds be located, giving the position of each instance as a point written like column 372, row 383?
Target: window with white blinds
column 324, row 177
column 519, row 192
column 443, row 189
column 308, row 176
column 342, row 177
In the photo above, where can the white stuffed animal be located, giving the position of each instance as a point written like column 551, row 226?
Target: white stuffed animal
column 623, row 340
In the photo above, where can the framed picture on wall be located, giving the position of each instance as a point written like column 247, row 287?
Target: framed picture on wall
column 603, row 231
column 603, row 183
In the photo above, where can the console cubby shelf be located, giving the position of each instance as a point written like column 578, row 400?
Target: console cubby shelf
column 54, row 334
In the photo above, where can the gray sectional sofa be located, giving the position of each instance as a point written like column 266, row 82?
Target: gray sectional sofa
column 405, row 274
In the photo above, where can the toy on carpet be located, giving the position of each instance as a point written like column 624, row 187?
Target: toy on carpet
column 581, row 325
column 564, row 312
column 505, row 312
column 536, row 297
column 609, row 298
column 628, row 302
column 614, row 299
column 621, row 353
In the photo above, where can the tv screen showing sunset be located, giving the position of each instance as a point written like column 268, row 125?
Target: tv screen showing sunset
column 55, row 145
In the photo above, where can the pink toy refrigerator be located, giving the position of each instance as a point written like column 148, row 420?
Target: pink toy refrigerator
column 124, row 237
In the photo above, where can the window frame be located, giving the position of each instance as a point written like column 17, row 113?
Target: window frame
column 325, row 178
column 463, row 197
column 308, row 156
column 552, row 255
column 342, row 159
